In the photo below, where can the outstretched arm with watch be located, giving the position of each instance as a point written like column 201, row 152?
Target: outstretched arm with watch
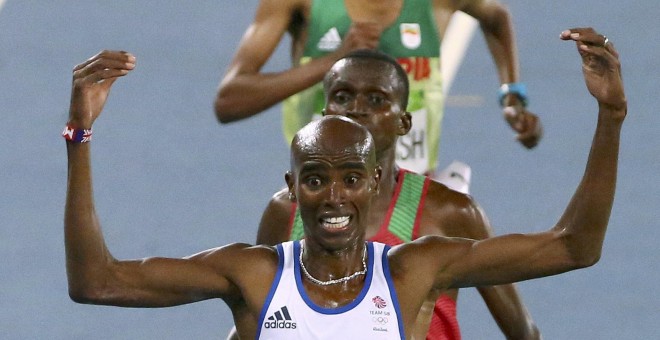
column 497, row 27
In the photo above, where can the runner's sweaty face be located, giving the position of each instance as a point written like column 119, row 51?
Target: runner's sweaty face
column 334, row 177
column 369, row 92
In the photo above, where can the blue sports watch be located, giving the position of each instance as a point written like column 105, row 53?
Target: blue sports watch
column 518, row 89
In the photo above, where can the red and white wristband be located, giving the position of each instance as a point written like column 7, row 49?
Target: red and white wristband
column 76, row 135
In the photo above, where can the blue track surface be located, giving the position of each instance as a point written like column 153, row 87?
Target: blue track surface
column 170, row 181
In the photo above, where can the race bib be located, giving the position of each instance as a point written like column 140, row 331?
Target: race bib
column 412, row 150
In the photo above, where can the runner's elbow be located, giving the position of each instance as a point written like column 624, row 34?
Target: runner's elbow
column 84, row 294
column 88, row 288
column 588, row 260
column 222, row 111
column 584, row 259
column 580, row 250
column 226, row 110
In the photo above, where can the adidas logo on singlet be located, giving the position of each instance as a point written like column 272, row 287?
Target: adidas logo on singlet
column 330, row 40
column 280, row 319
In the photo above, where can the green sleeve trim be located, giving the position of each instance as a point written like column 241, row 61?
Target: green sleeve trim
column 402, row 221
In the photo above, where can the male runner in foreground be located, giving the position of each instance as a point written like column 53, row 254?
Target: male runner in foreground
column 333, row 283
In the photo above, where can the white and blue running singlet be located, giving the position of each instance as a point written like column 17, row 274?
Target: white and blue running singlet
column 288, row 313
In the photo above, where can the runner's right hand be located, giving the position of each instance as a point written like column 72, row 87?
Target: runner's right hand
column 91, row 84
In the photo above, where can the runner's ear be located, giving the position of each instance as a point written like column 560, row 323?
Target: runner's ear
column 405, row 123
column 375, row 184
column 290, row 182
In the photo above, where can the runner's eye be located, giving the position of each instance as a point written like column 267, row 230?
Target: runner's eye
column 342, row 97
column 376, row 99
column 352, row 180
column 313, row 181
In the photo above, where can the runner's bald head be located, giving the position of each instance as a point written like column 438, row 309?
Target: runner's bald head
column 333, row 136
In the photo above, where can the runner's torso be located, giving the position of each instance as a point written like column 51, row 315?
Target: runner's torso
column 289, row 313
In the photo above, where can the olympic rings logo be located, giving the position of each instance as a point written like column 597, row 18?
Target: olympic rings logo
column 381, row 320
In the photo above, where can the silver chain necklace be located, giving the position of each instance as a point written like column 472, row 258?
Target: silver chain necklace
column 335, row 281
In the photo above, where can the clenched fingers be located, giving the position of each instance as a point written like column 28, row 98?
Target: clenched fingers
column 103, row 66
